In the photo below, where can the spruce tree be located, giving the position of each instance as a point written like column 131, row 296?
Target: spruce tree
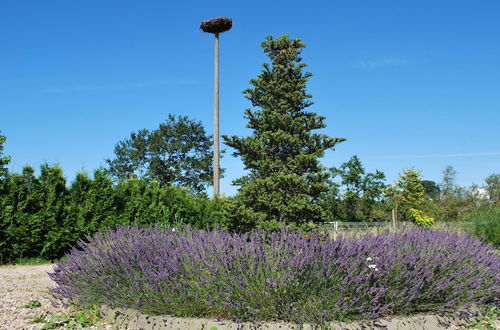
column 285, row 178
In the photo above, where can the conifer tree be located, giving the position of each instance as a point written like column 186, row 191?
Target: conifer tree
column 54, row 226
column 412, row 191
column 408, row 192
column 285, row 177
column 93, row 203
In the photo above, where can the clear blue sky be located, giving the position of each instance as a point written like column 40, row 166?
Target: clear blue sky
column 408, row 83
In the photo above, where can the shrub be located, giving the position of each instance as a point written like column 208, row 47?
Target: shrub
column 283, row 275
column 484, row 222
column 419, row 218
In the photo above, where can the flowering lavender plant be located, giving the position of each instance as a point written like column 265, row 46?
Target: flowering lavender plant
column 282, row 275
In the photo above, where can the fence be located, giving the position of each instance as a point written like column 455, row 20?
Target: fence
column 335, row 228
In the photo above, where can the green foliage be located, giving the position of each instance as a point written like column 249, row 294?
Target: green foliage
column 144, row 203
column 412, row 191
column 419, row 218
column 456, row 201
column 492, row 186
column 177, row 153
column 54, row 198
column 488, row 318
column 93, row 204
column 448, row 185
column 74, row 319
column 33, row 214
column 361, row 192
column 431, row 189
column 32, row 304
column 285, row 178
column 484, row 222
column 41, row 218
column 274, row 226
column 408, row 192
column 4, row 160
column 32, row 261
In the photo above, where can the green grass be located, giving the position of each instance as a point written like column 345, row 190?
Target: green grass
column 484, row 223
column 32, row 261
column 487, row 319
column 75, row 319
column 32, row 304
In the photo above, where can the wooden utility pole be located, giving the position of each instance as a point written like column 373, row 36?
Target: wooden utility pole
column 216, row 26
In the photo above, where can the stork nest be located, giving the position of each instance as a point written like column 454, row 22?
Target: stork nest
column 217, row 25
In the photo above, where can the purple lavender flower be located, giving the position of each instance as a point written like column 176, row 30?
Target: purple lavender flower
column 282, row 275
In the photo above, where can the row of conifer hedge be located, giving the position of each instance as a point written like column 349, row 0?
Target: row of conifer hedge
column 41, row 216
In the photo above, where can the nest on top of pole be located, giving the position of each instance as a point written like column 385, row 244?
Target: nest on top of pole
column 217, row 25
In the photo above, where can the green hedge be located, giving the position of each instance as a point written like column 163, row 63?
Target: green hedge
column 40, row 217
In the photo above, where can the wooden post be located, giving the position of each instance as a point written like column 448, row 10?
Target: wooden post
column 216, row 118
column 394, row 216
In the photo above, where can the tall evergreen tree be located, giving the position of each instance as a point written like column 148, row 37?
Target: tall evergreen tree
column 285, row 177
column 54, row 196
column 21, row 224
column 93, row 203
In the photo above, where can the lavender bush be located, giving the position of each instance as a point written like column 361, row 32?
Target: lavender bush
column 282, row 275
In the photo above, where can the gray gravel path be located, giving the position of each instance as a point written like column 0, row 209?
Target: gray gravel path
column 20, row 285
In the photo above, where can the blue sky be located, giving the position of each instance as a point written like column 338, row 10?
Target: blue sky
column 408, row 83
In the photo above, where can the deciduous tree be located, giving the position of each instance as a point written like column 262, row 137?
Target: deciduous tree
column 361, row 190
column 492, row 186
column 431, row 189
column 178, row 152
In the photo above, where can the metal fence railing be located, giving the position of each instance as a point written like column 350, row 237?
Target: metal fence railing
column 335, row 228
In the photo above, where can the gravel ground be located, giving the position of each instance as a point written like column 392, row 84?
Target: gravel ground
column 20, row 285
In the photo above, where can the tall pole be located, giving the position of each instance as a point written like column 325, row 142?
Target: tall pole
column 216, row 118
column 216, row 26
